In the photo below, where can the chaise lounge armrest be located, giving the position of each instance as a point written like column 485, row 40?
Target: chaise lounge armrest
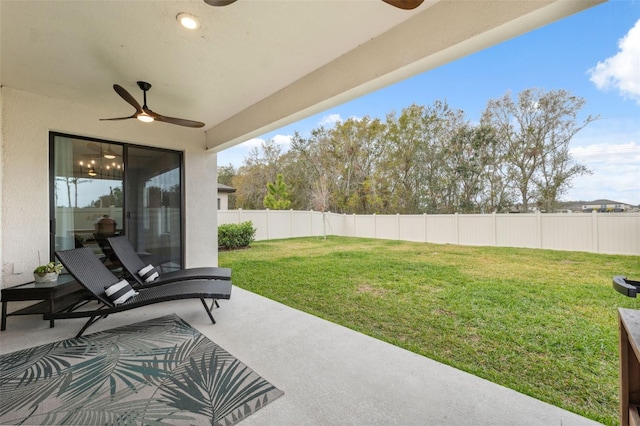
column 626, row 286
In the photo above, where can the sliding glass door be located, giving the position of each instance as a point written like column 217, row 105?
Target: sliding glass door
column 102, row 189
column 153, row 194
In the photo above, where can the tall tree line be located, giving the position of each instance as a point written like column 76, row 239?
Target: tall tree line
column 426, row 159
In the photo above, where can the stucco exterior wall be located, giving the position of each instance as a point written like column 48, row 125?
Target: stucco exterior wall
column 26, row 122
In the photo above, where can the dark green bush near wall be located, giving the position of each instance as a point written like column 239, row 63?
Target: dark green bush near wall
column 232, row 236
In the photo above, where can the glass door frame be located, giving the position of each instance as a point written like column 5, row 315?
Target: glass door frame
column 125, row 207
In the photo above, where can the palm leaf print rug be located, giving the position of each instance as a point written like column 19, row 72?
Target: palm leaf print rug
column 160, row 371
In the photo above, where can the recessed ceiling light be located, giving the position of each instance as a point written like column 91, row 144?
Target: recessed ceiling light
column 188, row 21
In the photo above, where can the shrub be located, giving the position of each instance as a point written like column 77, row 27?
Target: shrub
column 232, row 236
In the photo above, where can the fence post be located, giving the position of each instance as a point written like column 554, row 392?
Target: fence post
column 355, row 231
column 375, row 226
column 457, row 223
column 267, row 214
column 539, row 228
column 495, row 229
column 426, row 237
column 594, row 231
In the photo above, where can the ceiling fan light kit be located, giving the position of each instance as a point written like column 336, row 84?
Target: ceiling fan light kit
column 188, row 21
column 144, row 117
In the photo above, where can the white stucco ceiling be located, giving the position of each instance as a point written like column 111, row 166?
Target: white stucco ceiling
column 252, row 66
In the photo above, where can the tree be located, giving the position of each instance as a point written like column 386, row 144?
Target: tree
column 226, row 174
column 114, row 197
column 428, row 159
column 412, row 164
column 261, row 166
column 358, row 144
column 341, row 164
column 277, row 197
column 465, row 161
column 225, row 177
column 314, row 155
column 535, row 132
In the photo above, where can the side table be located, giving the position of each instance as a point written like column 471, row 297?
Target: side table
column 63, row 294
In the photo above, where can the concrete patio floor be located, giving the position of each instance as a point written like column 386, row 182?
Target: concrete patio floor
column 330, row 375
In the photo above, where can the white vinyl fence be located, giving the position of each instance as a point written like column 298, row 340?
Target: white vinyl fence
column 611, row 233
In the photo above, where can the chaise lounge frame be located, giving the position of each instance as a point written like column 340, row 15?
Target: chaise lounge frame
column 132, row 263
column 94, row 276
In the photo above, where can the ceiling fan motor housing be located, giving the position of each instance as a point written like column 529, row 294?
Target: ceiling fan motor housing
column 143, row 85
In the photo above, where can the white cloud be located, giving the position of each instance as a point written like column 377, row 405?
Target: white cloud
column 621, row 71
column 615, row 168
column 282, row 140
column 627, row 153
column 236, row 155
column 329, row 119
column 251, row 143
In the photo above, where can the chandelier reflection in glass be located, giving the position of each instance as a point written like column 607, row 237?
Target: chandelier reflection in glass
column 107, row 166
column 112, row 170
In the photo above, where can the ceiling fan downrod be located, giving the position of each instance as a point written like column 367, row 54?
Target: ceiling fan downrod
column 144, row 86
column 145, row 117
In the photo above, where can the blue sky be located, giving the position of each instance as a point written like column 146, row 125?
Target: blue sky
column 594, row 54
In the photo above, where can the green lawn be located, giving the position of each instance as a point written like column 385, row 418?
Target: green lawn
column 541, row 322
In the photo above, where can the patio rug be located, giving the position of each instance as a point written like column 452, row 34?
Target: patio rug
column 160, row 371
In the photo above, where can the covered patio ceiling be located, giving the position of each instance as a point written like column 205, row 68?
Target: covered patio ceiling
column 252, row 66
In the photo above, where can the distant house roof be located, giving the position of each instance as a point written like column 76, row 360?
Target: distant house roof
column 226, row 188
column 602, row 202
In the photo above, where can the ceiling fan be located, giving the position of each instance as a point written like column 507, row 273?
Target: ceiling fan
column 143, row 113
column 402, row 4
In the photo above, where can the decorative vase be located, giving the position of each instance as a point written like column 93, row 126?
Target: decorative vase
column 49, row 277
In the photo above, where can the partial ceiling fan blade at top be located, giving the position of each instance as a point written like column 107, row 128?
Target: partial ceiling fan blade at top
column 219, row 2
column 127, row 97
column 404, row 4
column 119, row 118
column 173, row 120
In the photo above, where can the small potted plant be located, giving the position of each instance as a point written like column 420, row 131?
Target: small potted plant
column 47, row 273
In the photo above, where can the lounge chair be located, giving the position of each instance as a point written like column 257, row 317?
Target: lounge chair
column 93, row 275
column 626, row 286
column 133, row 264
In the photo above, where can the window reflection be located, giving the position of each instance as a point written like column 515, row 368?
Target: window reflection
column 88, row 195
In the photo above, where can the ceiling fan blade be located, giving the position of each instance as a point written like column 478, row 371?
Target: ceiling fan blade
column 119, row 118
column 127, row 97
column 173, row 120
column 219, row 2
column 404, row 4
